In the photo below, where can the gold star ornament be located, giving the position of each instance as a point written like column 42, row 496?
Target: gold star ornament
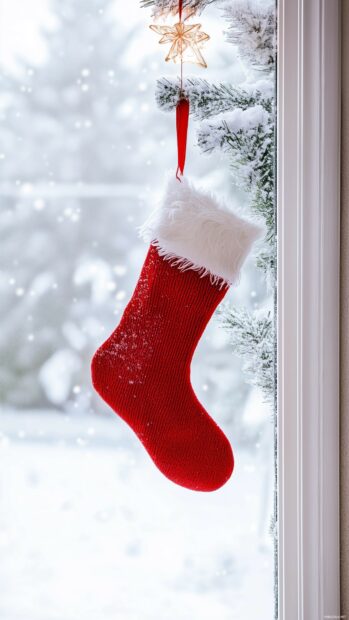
column 186, row 42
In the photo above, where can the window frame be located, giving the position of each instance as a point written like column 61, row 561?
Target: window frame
column 308, row 158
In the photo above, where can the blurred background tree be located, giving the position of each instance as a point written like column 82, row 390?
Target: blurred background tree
column 76, row 117
column 74, row 146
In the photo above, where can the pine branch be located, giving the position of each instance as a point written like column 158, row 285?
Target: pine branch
column 207, row 100
column 253, row 30
column 266, row 262
column 166, row 7
column 252, row 338
column 248, row 138
column 263, row 204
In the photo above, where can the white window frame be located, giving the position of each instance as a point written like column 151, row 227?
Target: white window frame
column 308, row 308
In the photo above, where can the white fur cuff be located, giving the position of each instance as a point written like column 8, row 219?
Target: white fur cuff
column 193, row 231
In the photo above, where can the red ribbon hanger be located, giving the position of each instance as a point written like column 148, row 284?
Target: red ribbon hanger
column 180, row 9
column 182, row 117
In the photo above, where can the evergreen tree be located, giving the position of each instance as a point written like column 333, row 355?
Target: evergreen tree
column 62, row 278
column 240, row 121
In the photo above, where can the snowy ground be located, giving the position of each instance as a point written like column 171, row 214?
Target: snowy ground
column 89, row 530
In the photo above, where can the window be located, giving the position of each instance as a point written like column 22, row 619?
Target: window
column 308, row 315
column 88, row 527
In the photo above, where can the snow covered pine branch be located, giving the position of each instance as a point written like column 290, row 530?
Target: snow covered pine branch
column 210, row 99
column 165, row 7
column 239, row 120
column 252, row 29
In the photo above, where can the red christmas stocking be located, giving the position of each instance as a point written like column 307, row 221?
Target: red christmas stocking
column 143, row 370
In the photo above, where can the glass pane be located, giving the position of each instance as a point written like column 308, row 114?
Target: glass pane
column 89, row 528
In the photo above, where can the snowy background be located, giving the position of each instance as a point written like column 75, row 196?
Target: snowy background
column 88, row 527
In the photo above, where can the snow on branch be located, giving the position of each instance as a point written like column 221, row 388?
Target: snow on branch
column 207, row 99
column 247, row 136
column 166, row 7
column 266, row 259
column 253, row 29
column 252, row 338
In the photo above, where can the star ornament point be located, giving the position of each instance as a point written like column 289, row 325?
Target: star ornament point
column 186, row 41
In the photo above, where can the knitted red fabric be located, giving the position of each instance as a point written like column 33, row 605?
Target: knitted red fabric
column 143, row 372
